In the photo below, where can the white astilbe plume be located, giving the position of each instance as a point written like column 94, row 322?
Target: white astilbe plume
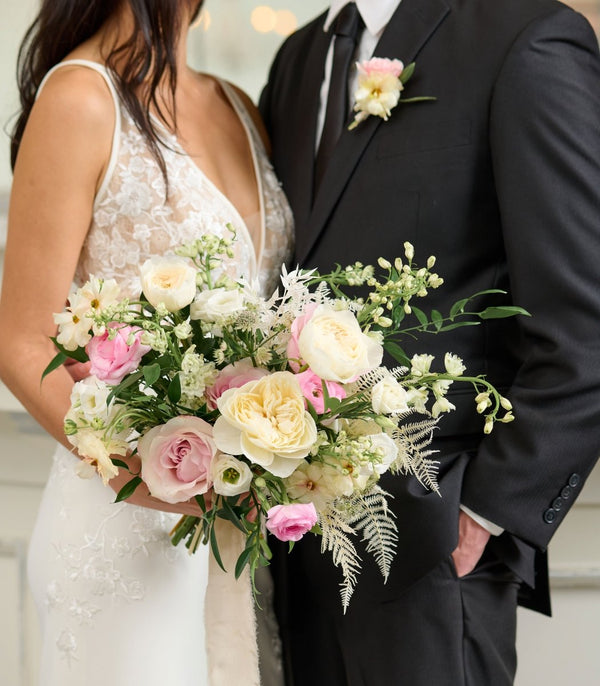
column 369, row 513
column 336, row 538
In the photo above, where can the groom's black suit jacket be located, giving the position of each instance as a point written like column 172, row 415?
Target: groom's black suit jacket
column 499, row 178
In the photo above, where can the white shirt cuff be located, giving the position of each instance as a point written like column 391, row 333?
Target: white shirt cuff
column 494, row 529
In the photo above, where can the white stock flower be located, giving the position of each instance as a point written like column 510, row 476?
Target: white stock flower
column 169, row 280
column 217, row 304
column 454, row 365
column 388, row 396
column 417, row 398
column 442, row 404
column 89, row 398
column 230, row 476
column 334, row 346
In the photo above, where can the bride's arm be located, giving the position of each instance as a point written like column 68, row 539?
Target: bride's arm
column 61, row 161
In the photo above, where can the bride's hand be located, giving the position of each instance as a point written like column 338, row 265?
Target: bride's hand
column 77, row 370
column 141, row 496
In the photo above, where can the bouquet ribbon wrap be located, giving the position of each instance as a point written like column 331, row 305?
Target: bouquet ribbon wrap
column 230, row 617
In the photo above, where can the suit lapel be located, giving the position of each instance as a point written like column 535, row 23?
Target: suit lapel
column 409, row 28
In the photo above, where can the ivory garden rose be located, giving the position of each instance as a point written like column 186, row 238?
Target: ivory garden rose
column 233, row 376
column 266, row 421
column 177, row 458
column 333, row 345
column 217, row 304
column 170, row 281
column 388, row 396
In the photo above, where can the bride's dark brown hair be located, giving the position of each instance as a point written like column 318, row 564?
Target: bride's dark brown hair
column 146, row 58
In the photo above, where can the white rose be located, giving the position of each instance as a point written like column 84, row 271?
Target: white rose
column 334, row 346
column 230, row 476
column 168, row 280
column 388, row 450
column 388, row 396
column 216, row 304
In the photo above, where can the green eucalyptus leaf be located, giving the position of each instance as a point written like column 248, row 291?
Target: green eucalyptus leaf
column 119, row 463
column 151, row 373
column 502, row 311
column 242, row 561
column 215, row 548
column 57, row 361
column 174, row 390
column 437, row 319
column 407, row 72
column 420, row 315
column 128, row 489
column 396, row 352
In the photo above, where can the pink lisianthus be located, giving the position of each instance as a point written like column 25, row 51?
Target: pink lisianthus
column 112, row 359
column 293, row 351
column 291, row 522
column 233, row 376
column 312, row 389
column 176, row 458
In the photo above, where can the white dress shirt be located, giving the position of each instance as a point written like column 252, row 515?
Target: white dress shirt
column 376, row 15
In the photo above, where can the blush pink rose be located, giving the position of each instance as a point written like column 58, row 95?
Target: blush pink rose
column 112, row 360
column 291, row 522
column 176, row 458
column 382, row 65
column 312, row 389
column 233, row 376
column 293, row 351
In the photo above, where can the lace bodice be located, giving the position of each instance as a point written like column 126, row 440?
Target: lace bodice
column 132, row 221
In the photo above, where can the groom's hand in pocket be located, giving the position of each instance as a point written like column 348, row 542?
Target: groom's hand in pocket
column 472, row 539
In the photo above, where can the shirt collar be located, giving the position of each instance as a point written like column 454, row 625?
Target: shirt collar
column 375, row 13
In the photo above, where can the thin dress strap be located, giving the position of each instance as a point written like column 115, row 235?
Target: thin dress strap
column 103, row 71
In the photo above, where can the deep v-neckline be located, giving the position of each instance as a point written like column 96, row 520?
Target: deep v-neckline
column 257, row 250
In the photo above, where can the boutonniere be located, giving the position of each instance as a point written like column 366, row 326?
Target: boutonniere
column 380, row 83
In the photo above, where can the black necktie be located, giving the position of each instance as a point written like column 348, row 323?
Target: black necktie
column 346, row 28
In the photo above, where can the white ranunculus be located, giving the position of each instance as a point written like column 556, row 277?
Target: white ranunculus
column 389, row 451
column 334, row 346
column 230, row 475
column 388, row 396
column 217, row 304
column 169, row 280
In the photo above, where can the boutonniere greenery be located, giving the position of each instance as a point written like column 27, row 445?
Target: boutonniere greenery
column 380, row 84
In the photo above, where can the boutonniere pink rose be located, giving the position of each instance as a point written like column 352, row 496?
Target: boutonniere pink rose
column 380, row 83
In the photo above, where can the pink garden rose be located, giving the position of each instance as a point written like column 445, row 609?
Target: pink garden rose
column 112, row 360
column 291, row 522
column 233, row 376
column 312, row 389
column 293, row 351
column 176, row 458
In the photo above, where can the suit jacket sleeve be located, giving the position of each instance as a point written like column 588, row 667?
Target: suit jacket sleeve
column 545, row 145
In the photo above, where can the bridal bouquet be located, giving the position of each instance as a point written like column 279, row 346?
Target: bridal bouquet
column 272, row 413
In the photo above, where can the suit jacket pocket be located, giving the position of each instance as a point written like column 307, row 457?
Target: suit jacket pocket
column 411, row 139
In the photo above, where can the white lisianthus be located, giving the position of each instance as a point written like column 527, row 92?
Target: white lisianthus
column 420, row 364
column 217, row 304
column 230, row 476
column 266, row 421
column 334, row 346
column 387, row 448
column 388, row 396
column 454, row 365
column 169, row 280
column 318, row 483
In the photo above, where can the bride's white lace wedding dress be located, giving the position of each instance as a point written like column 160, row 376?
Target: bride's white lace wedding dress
column 118, row 604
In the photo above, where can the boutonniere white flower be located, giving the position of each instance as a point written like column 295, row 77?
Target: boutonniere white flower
column 380, row 83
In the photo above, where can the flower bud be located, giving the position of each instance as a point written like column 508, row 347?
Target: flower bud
column 505, row 403
column 383, row 263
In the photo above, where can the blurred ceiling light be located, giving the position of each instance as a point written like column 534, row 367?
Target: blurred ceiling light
column 263, row 19
column 286, row 22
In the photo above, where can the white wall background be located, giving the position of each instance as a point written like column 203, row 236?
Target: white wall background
column 553, row 652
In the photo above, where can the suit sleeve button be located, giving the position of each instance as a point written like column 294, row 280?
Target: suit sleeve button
column 557, row 503
column 549, row 515
column 566, row 492
column 574, row 480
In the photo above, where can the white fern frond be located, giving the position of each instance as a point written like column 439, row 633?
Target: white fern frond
column 373, row 517
column 335, row 538
column 413, row 440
